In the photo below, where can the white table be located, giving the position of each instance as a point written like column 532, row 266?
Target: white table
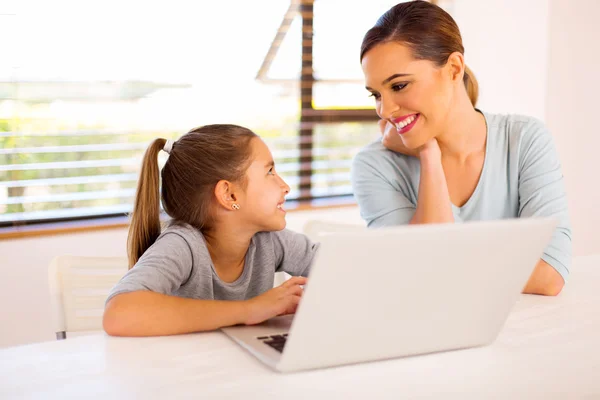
column 549, row 348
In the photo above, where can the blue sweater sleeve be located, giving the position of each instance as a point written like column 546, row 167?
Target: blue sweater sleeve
column 542, row 192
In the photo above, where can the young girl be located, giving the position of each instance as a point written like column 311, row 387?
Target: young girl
column 450, row 162
column 214, row 265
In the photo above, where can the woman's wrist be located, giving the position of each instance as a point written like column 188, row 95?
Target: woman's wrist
column 430, row 154
column 430, row 161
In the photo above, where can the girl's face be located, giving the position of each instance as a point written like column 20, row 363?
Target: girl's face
column 414, row 95
column 262, row 203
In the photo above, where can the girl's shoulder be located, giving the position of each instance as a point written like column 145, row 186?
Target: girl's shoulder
column 284, row 241
column 284, row 236
column 190, row 235
column 288, row 250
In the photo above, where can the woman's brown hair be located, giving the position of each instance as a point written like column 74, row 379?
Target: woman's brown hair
column 429, row 31
column 196, row 163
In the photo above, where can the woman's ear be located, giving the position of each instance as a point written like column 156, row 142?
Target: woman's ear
column 456, row 66
column 225, row 194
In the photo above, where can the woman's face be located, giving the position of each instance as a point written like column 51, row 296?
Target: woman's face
column 414, row 95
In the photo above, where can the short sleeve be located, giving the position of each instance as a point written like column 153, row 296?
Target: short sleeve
column 163, row 268
column 542, row 192
column 294, row 252
column 381, row 204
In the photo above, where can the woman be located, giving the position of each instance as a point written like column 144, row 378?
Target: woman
column 441, row 160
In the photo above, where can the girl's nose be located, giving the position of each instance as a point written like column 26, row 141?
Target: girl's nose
column 285, row 186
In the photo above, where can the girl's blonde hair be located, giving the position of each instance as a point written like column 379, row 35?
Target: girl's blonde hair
column 197, row 161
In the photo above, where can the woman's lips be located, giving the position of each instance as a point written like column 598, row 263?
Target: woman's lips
column 405, row 123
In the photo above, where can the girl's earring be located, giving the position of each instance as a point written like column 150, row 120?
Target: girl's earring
column 235, row 206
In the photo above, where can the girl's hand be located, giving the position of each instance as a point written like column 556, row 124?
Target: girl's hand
column 393, row 141
column 281, row 300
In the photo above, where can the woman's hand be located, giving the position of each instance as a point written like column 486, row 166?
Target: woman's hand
column 392, row 141
column 281, row 300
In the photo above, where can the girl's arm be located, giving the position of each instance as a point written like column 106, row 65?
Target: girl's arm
column 146, row 313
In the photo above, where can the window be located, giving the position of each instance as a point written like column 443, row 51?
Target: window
column 336, row 115
column 83, row 93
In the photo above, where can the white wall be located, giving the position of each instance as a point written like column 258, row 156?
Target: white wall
column 25, row 310
column 506, row 46
column 573, row 82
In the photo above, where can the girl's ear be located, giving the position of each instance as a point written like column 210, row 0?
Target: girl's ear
column 225, row 194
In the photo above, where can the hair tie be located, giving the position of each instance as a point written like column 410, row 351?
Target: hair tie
column 168, row 146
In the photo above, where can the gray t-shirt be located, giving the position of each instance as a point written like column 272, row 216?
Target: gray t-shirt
column 179, row 264
column 521, row 177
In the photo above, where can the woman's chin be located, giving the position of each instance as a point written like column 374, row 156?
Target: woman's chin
column 412, row 144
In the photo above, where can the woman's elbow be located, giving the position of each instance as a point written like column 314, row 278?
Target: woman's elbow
column 554, row 287
column 544, row 290
column 544, row 280
column 549, row 286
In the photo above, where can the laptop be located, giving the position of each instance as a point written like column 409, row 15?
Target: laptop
column 375, row 294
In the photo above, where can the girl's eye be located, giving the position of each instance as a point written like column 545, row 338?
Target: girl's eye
column 375, row 95
column 271, row 172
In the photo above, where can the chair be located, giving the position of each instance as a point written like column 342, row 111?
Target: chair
column 79, row 287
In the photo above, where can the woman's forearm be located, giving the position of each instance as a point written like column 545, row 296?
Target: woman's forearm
column 146, row 313
column 433, row 204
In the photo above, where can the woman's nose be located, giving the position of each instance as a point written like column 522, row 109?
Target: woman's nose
column 387, row 108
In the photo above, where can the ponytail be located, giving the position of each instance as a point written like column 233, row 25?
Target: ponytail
column 144, row 227
column 471, row 85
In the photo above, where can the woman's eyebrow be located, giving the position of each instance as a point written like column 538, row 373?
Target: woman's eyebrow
column 394, row 77
column 389, row 79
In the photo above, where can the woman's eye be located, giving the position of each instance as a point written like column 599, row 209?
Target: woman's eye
column 375, row 95
column 271, row 172
column 398, row 87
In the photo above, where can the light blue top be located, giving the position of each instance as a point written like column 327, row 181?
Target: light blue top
column 521, row 177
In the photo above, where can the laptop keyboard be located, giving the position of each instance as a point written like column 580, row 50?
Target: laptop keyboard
column 275, row 341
